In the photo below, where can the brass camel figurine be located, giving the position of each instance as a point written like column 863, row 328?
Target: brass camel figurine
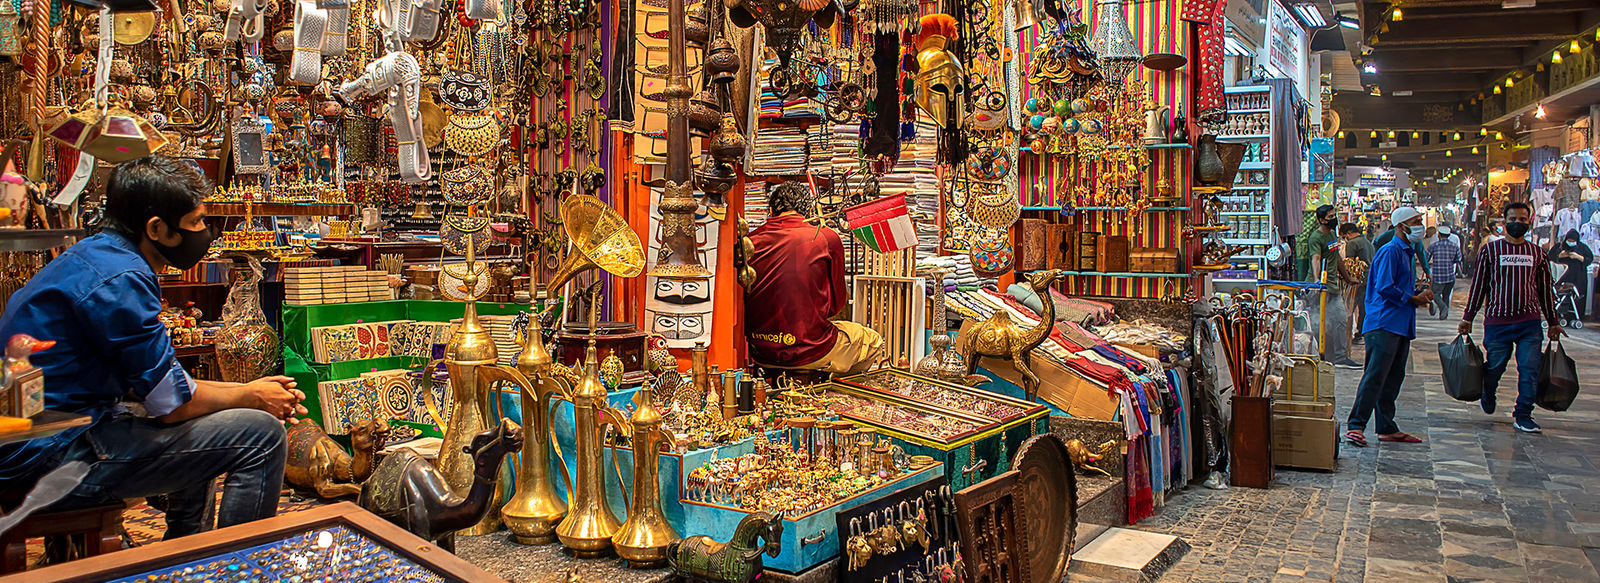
column 999, row 337
column 316, row 462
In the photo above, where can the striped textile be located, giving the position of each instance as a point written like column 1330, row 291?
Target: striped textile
column 1512, row 285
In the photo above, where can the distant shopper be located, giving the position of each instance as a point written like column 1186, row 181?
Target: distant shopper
column 1327, row 267
column 1391, row 323
column 1577, row 256
column 1417, row 245
column 1356, row 248
column 1445, row 255
column 1513, row 287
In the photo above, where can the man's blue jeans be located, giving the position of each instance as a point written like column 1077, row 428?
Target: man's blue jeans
column 1387, row 353
column 134, row 457
column 1498, row 341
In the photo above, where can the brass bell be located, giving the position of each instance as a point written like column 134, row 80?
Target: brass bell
column 728, row 145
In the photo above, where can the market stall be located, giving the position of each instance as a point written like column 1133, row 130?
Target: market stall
column 829, row 291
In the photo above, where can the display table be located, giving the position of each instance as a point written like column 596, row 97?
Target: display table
column 45, row 424
column 306, row 544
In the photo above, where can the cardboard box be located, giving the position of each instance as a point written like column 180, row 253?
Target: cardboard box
column 1304, row 442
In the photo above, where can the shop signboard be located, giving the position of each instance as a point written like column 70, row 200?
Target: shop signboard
column 1286, row 45
column 1321, row 166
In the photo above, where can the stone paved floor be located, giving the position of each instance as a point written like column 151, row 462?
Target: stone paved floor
column 1475, row 501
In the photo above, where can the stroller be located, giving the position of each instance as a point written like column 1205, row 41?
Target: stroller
column 1566, row 299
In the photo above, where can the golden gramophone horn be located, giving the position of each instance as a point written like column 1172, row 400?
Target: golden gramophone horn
column 600, row 238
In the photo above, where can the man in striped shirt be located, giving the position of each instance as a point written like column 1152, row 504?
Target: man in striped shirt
column 1512, row 285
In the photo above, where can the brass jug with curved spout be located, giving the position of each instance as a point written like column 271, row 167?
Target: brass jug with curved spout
column 469, row 348
column 644, row 537
column 590, row 524
column 534, row 511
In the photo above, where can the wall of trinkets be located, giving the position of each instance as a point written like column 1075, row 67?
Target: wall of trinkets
column 502, row 242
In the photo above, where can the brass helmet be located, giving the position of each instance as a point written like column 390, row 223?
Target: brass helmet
column 941, row 79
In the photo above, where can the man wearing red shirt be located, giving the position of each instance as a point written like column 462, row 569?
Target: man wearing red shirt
column 799, row 286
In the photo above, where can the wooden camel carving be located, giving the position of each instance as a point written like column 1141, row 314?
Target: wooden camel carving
column 410, row 492
column 316, row 462
column 999, row 337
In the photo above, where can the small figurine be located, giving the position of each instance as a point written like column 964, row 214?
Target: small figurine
column 316, row 462
column 999, row 337
column 698, row 558
column 19, row 348
column 410, row 492
column 1084, row 460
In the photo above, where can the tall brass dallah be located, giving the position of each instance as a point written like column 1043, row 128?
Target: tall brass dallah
column 643, row 539
column 679, row 257
column 600, row 238
column 589, row 524
column 469, row 348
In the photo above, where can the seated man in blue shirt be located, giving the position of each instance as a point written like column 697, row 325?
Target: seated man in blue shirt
column 99, row 301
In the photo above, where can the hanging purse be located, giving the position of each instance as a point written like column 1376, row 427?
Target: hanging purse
column 463, row 90
column 460, row 232
column 472, row 135
column 466, row 185
column 453, row 281
column 997, row 209
column 991, row 256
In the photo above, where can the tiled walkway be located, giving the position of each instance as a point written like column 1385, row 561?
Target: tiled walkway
column 1475, row 501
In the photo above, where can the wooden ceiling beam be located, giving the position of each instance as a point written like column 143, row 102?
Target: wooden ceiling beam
column 1508, row 29
column 1397, row 60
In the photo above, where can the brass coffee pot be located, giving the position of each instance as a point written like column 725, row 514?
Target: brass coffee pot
column 643, row 539
column 533, row 513
column 469, row 348
column 589, row 524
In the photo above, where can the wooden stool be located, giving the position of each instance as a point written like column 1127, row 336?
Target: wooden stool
column 86, row 531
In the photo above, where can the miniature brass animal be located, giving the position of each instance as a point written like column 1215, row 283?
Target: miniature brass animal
column 698, row 558
column 999, row 337
column 316, row 462
column 1084, row 460
column 410, row 492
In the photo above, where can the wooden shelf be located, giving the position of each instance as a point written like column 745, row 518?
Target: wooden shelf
column 1172, row 146
column 282, row 209
column 46, row 423
column 1116, row 274
column 197, row 350
column 37, row 239
column 1107, row 208
column 1255, row 166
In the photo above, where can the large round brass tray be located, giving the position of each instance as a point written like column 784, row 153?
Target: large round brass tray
column 1049, row 489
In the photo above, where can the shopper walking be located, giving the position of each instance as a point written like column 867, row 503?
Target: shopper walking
column 1327, row 267
column 1357, row 249
column 1445, row 254
column 1390, row 324
column 1576, row 256
column 1513, row 287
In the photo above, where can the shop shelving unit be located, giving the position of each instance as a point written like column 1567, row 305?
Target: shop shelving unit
column 1259, row 196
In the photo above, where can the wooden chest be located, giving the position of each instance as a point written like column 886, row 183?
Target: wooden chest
column 1153, row 260
column 1087, row 251
column 1057, row 245
column 1113, row 252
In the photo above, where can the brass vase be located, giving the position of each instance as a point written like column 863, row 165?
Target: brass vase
column 590, row 524
column 470, row 348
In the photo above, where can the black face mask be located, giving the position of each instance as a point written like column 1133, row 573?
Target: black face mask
column 1331, row 223
column 191, row 247
column 1516, row 230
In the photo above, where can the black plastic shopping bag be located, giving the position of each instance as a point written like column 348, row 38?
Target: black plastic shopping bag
column 1462, row 361
column 1558, row 379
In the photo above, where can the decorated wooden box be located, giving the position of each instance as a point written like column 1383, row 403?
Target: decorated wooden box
column 972, row 431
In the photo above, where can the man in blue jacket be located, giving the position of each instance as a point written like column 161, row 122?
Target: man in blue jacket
column 1390, row 324
column 155, row 429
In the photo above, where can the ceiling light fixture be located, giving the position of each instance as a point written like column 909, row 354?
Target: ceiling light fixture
column 1555, row 58
column 1351, row 22
column 1391, row 134
column 1374, row 134
column 1496, row 89
column 1499, row 136
column 1539, row 112
column 1474, row 149
column 1416, row 135
column 1508, row 82
column 1483, row 131
column 1573, row 48
column 1341, row 134
column 1457, row 136
column 1397, row 16
column 1448, row 153
column 1370, row 68
column 1310, row 16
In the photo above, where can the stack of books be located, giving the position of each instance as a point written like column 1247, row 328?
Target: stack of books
column 309, row 286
